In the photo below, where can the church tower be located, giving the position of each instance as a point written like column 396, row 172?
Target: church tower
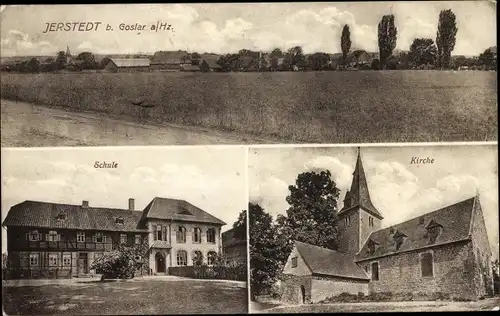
column 358, row 218
column 68, row 54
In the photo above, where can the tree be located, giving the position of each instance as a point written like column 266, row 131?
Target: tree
column 487, row 59
column 495, row 267
column 195, row 59
column 33, row 65
column 319, row 61
column 423, row 52
column 240, row 226
column 264, row 252
column 295, row 58
column 61, row 60
column 446, row 37
column 312, row 215
column 375, row 64
column 88, row 60
column 49, row 60
column 276, row 53
column 120, row 263
column 345, row 43
column 204, row 67
column 387, row 36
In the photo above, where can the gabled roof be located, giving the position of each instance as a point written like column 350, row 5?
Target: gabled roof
column 323, row 261
column 180, row 210
column 161, row 244
column 163, row 57
column 359, row 192
column 131, row 62
column 455, row 221
column 44, row 215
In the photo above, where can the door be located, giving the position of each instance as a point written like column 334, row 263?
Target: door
column 83, row 263
column 160, row 262
column 302, row 296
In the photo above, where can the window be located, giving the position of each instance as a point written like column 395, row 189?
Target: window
column 294, row 262
column 426, row 263
column 347, row 221
column 53, row 236
column 137, row 239
column 372, row 246
column 99, row 237
column 433, row 233
column 211, row 257
column 374, row 271
column 181, row 234
column 33, row 259
column 80, row 237
column 159, row 233
column 34, row 235
column 67, row 260
column 196, row 235
column 53, row 259
column 181, row 258
column 370, row 221
column 123, row 238
column 61, row 217
column 366, row 268
column 120, row 221
column 155, row 237
column 399, row 238
column 211, row 235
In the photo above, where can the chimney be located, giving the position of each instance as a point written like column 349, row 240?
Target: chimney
column 85, row 204
column 131, row 204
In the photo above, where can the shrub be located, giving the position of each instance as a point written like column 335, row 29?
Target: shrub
column 361, row 295
column 120, row 263
column 380, row 296
column 376, row 64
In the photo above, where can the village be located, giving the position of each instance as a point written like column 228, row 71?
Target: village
column 244, row 61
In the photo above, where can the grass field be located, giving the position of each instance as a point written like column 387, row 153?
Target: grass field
column 131, row 298
column 314, row 107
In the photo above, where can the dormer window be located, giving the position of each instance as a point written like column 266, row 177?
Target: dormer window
column 391, row 230
column 372, row 246
column 433, row 231
column 119, row 221
column 399, row 238
column 61, row 217
column 34, row 235
column 421, row 220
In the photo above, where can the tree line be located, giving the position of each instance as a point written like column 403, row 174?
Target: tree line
column 310, row 218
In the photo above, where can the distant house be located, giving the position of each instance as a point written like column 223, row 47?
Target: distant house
column 359, row 57
column 234, row 248
column 213, row 65
column 189, row 67
column 127, row 64
column 168, row 61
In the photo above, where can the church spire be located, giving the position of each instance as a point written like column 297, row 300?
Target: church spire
column 359, row 194
column 68, row 53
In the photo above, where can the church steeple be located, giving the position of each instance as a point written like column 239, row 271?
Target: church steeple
column 359, row 196
column 68, row 53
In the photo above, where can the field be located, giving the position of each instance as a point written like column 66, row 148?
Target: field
column 133, row 297
column 313, row 107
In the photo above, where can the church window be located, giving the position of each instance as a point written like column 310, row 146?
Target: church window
column 347, row 221
column 370, row 221
column 426, row 264
column 374, row 271
column 294, row 262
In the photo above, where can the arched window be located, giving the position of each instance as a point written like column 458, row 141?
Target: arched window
column 196, row 235
column 181, row 258
column 197, row 257
column 211, row 257
column 181, row 234
column 211, row 235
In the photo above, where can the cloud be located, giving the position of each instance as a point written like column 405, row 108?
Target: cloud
column 341, row 173
column 17, row 42
column 270, row 195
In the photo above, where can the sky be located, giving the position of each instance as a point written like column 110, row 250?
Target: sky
column 398, row 189
column 212, row 178
column 227, row 28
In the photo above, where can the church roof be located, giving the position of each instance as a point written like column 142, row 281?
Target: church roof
column 323, row 261
column 453, row 222
column 359, row 192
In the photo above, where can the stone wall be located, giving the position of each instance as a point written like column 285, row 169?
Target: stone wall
column 323, row 287
column 453, row 272
column 291, row 288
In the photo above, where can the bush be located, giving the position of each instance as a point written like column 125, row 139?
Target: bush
column 376, row 64
column 380, row 296
column 121, row 263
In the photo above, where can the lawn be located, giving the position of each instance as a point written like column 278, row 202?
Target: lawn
column 131, row 297
column 438, row 306
column 311, row 107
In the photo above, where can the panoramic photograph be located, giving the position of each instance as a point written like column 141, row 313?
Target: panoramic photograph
column 102, row 231
column 373, row 229
column 189, row 74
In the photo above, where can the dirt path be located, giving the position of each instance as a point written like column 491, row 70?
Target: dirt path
column 26, row 124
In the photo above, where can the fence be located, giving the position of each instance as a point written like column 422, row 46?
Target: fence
column 237, row 273
column 36, row 273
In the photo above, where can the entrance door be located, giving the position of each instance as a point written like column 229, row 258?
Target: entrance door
column 83, row 263
column 302, row 296
column 160, row 262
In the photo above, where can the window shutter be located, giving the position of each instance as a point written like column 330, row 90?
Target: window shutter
column 94, row 238
column 104, row 238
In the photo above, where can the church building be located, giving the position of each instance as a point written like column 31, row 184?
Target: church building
column 442, row 252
